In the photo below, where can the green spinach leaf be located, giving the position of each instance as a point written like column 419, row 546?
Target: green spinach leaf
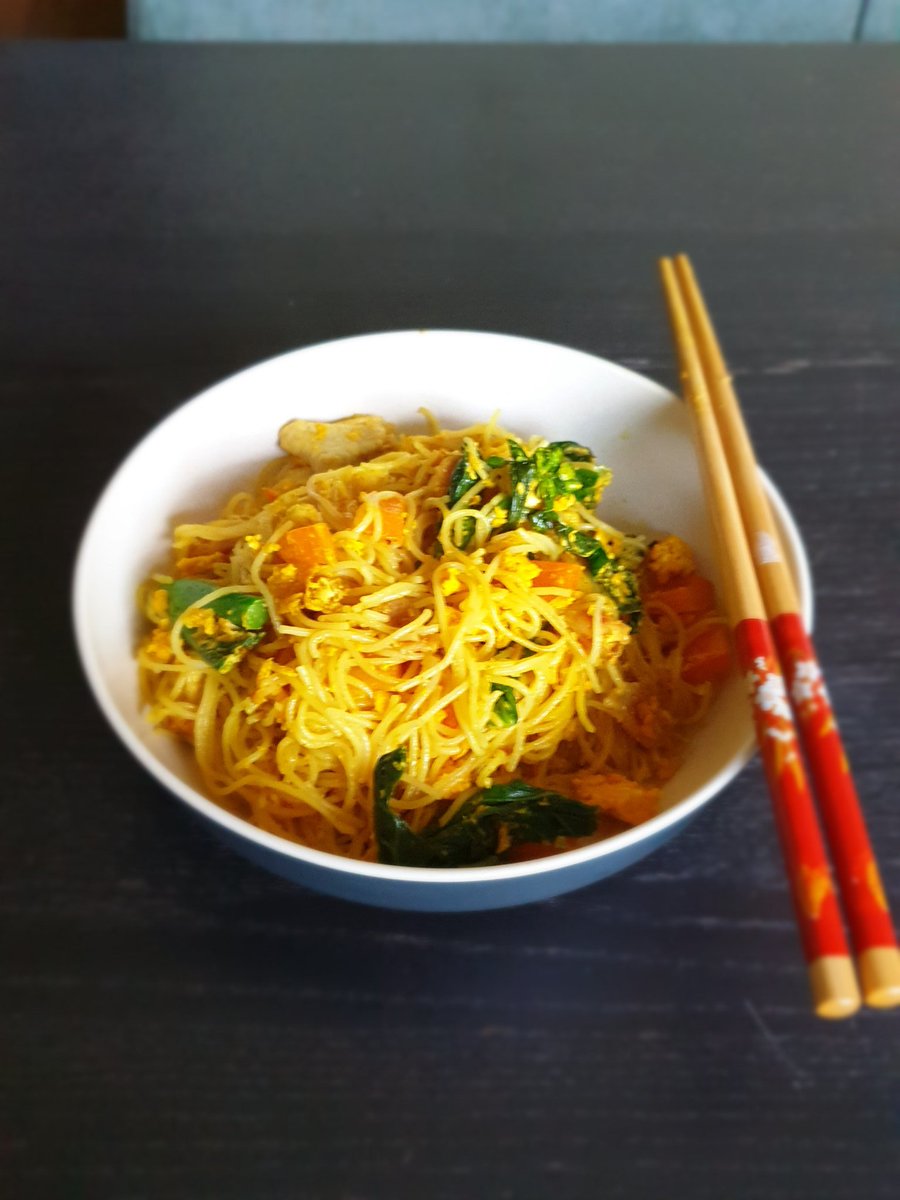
column 475, row 834
column 505, row 710
column 242, row 617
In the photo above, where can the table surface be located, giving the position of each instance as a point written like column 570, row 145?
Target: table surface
column 176, row 1023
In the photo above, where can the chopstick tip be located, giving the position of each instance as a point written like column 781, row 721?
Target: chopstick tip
column 834, row 987
column 879, row 974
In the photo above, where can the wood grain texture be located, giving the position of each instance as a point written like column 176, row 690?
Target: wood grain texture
column 177, row 1023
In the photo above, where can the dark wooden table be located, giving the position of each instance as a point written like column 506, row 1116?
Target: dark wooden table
column 175, row 1023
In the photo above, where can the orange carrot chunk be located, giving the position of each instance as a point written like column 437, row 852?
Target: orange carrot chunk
column 567, row 575
column 690, row 599
column 616, row 796
column 308, row 547
column 393, row 518
column 707, row 656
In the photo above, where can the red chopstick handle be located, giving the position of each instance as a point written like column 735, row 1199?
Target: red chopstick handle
column 809, row 873
column 864, row 898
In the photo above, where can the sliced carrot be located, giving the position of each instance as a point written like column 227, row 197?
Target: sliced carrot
column 567, row 575
column 393, row 518
column 690, row 599
column 616, row 796
column 707, row 656
column 308, row 547
column 449, row 717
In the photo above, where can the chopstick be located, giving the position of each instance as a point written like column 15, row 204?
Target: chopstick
column 831, row 974
column 865, row 904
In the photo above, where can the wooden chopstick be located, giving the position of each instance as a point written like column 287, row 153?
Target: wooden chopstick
column 865, row 904
column 831, row 973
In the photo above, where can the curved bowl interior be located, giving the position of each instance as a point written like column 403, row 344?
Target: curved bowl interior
column 208, row 448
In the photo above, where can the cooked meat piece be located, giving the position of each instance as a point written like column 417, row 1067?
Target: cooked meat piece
column 327, row 444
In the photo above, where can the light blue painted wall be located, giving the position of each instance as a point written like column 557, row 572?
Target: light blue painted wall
column 504, row 20
column 882, row 21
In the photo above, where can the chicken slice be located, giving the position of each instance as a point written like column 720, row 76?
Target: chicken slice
column 328, row 444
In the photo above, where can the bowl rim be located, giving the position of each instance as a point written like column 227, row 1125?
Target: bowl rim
column 455, row 876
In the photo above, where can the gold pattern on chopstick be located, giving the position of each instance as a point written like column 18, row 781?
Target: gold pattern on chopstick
column 873, row 879
column 815, row 888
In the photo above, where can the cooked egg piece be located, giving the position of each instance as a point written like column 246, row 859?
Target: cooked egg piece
column 670, row 556
column 323, row 594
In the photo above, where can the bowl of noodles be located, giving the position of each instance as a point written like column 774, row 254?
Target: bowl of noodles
column 426, row 620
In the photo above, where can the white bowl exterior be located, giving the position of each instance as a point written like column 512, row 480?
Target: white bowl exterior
column 210, row 447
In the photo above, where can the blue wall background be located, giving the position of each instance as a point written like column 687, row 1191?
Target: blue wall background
column 516, row 20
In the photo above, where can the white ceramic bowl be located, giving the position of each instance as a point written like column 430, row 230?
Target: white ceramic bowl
column 210, row 446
